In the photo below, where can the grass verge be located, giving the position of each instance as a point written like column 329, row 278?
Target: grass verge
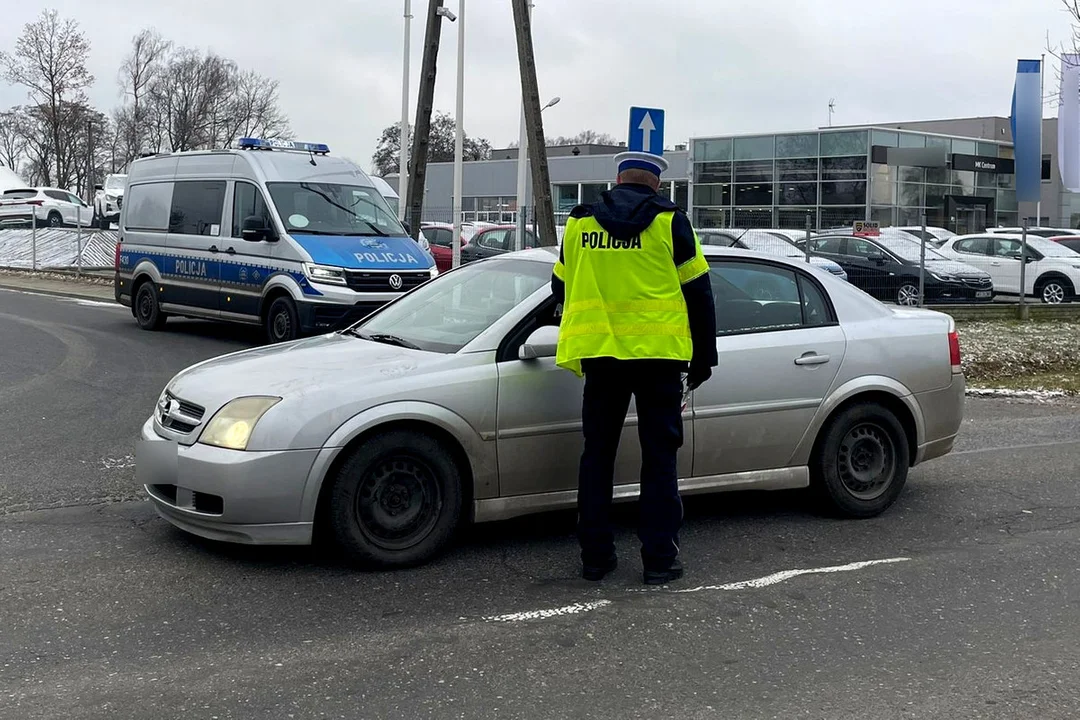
column 1031, row 356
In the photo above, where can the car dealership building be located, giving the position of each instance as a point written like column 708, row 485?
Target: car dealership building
column 959, row 173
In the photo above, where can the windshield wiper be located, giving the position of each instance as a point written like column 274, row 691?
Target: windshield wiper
column 385, row 338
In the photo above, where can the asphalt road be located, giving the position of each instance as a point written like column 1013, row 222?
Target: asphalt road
column 108, row 612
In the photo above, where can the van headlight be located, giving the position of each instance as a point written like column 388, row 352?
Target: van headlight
column 232, row 425
column 324, row 274
column 434, row 271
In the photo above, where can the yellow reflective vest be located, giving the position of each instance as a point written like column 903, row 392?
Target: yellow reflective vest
column 623, row 296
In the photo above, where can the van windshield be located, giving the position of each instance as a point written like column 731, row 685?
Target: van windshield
column 333, row 209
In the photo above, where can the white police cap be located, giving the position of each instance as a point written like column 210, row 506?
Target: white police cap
column 629, row 160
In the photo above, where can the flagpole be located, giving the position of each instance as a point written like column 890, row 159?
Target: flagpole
column 1042, row 100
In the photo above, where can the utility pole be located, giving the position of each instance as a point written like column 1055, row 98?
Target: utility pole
column 403, row 137
column 421, row 139
column 545, row 212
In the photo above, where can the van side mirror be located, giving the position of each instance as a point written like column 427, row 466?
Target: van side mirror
column 542, row 343
column 255, row 229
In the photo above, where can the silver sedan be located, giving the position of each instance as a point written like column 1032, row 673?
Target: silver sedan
column 446, row 407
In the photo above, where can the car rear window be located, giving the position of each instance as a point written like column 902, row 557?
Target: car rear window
column 20, row 194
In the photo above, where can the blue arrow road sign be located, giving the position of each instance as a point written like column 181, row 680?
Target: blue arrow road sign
column 646, row 130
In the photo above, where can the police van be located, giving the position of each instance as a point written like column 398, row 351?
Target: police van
column 275, row 233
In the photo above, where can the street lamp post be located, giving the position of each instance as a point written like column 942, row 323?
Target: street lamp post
column 403, row 136
column 523, row 174
column 532, row 195
column 459, row 140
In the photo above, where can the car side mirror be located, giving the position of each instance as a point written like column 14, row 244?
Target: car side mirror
column 541, row 343
column 408, row 228
column 1029, row 259
column 254, row 229
column 99, row 188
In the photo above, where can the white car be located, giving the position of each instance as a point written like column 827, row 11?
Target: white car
column 1053, row 270
column 934, row 235
column 1045, row 232
column 108, row 200
column 51, row 206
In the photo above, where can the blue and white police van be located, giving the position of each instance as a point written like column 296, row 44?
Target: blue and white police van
column 275, row 233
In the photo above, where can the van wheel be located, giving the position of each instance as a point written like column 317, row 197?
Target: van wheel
column 396, row 501
column 861, row 463
column 282, row 321
column 146, row 308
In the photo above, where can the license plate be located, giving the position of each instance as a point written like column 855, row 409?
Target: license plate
column 156, row 462
column 983, row 294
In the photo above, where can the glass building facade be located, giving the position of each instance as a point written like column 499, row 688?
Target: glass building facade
column 839, row 176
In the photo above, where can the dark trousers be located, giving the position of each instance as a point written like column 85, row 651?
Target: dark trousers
column 656, row 386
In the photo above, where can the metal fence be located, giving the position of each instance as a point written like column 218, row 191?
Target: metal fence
column 66, row 249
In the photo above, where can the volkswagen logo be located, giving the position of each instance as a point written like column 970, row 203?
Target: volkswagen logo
column 396, row 282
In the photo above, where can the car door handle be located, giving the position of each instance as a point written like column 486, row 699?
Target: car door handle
column 812, row 359
column 996, row 264
column 230, row 250
column 213, row 248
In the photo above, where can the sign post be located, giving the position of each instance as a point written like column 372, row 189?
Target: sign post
column 646, row 130
column 809, row 223
column 922, row 261
column 1023, row 272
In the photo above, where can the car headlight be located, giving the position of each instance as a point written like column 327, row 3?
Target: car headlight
column 434, row 271
column 324, row 274
column 232, row 425
column 110, row 197
column 944, row 277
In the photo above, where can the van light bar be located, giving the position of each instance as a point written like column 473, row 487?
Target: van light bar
column 275, row 144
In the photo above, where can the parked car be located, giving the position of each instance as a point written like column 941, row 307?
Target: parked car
column 460, row 412
column 440, row 237
column 51, row 206
column 1052, row 275
column 108, row 199
column 934, row 235
column 494, row 240
column 1070, row 241
column 1043, row 232
column 765, row 242
column 888, row 268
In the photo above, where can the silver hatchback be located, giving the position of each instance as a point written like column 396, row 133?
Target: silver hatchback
column 446, row 406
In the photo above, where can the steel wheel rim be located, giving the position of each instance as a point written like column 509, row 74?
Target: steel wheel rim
column 398, row 502
column 1053, row 293
column 282, row 325
column 907, row 295
column 866, row 461
column 146, row 304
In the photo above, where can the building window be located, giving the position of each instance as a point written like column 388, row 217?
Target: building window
column 797, row 146
column 752, row 218
column 682, row 194
column 797, row 193
column 964, row 147
column 709, row 150
column 754, row 148
column 883, row 215
column 987, row 149
column 710, row 217
column 851, row 192
column 795, row 218
column 910, row 194
column 754, row 171
column 907, row 140
column 843, row 168
column 754, row 194
column 805, row 170
column 885, row 138
column 1046, row 168
column 712, row 172
column 705, row 195
column 590, row 192
column 843, row 143
column 963, row 182
column 565, row 197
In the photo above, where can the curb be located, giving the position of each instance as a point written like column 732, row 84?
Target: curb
column 59, row 293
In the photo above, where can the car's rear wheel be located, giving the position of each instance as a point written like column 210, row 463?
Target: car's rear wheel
column 146, row 309
column 55, row 219
column 861, row 462
column 396, row 500
column 907, row 294
column 1054, row 291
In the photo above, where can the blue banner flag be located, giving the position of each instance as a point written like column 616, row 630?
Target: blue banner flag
column 1026, row 122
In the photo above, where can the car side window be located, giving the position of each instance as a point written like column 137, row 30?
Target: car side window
column 247, row 202
column 495, row 239
column 56, row 195
column 826, row 245
column 755, row 297
column 73, row 199
column 1006, row 248
column 196, row 207
column 973, row 246
column 862, row 248
column 441, row 237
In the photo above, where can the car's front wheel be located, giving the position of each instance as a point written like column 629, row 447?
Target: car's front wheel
column 396, row 500
column 907, row 294
column 1054, row 291
column 861, row 462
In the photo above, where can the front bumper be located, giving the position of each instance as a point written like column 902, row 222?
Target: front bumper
column 229, row 495
column 944, row 292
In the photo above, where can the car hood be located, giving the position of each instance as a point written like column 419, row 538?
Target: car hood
column 300, row 370
column 954, row 267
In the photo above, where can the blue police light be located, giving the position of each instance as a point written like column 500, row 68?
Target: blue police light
column 274, row 144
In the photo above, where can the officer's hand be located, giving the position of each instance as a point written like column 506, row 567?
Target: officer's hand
column 697, row 376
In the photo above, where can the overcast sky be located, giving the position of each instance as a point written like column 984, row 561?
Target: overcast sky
column 716, row 66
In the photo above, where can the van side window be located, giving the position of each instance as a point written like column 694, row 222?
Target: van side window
column 247, row 202
column 147, row 206
column 196, row 207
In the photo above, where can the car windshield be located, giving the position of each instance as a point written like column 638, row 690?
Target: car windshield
column 906, row 247
column 115, row 182
column 333, row 209
column 447, row 313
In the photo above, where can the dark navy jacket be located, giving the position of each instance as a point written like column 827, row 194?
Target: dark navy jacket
column 625, row 211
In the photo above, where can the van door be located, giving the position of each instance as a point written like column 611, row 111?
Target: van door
column 245, row 267
column 196, row 246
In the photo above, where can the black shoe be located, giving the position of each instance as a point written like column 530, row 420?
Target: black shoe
column 663, row 577
column 595, row 573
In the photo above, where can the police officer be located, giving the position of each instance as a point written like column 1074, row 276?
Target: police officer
column 637, row 315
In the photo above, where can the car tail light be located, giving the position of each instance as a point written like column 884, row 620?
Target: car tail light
column 954, row 350
column 116, row 257
column 38, row 203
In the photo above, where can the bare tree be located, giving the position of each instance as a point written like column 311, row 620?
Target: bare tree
column 50, row 61
column 139, row 70
column 12, row 143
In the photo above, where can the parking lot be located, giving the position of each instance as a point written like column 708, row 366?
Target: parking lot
column 959, row 601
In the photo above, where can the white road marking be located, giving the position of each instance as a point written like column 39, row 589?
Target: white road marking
column 575, row 609
column 785, row 575
column 96, row 303
column 754, row 584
